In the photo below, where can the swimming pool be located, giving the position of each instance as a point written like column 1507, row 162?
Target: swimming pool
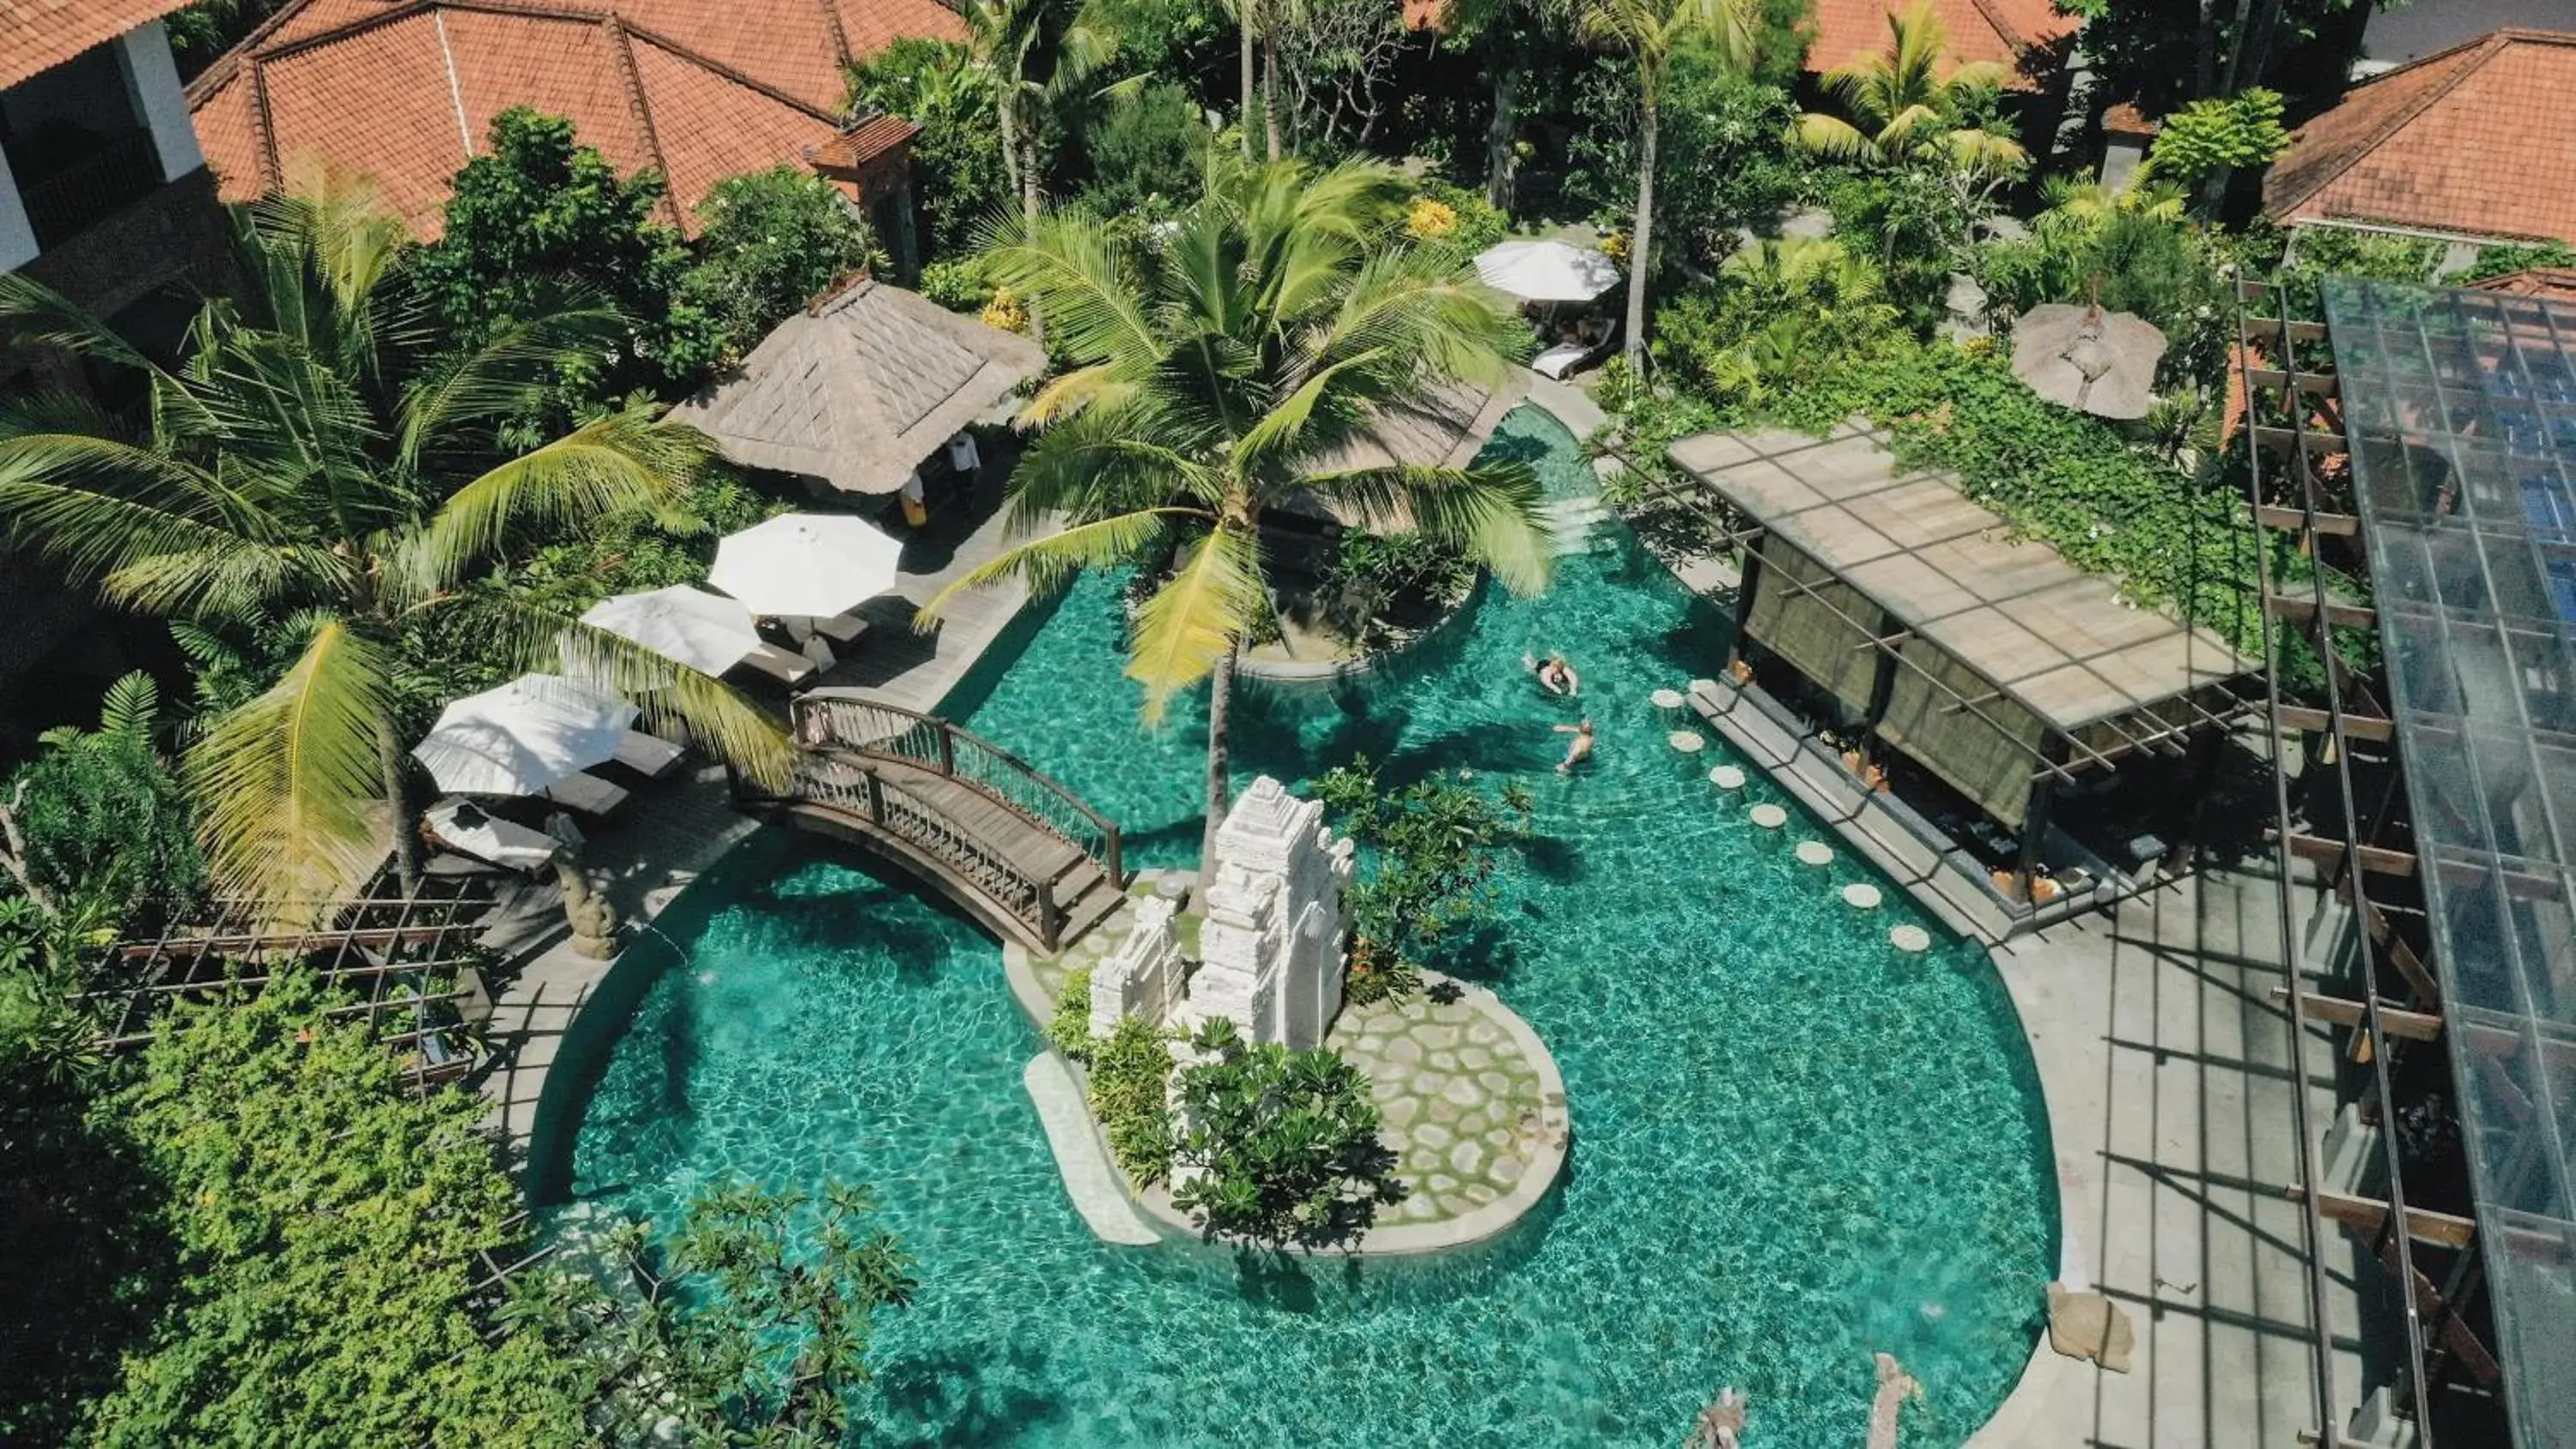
column 1794, row 1145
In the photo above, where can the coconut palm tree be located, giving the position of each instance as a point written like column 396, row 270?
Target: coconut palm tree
column 1041, row 54
column 1223, row 370
column 1906, row 103
column 1651, row 33
column 313, row 460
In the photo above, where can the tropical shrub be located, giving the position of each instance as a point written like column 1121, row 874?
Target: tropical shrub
column 750, row 1325
column 1455, row 215
column 1286, row 1143
column 1376, row 583
column 959, row 185
column 1431, row 850
column 2134, row 252
column 536, row 219
column 1781, row 315
column 97, row 822
column 321, row 1225
column 1131, row 1072
column 1146, row 152
column 2506, row 258
column 771, row 241
column 1069, row 1030
column 957, row 284
column 2209, row 139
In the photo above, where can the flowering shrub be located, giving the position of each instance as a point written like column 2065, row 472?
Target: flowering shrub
column 1005, row 311
column 1431, row 219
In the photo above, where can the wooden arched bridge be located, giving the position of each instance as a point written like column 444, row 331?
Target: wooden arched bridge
column 1023, row 853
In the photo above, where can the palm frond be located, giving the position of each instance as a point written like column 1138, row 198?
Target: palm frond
column 131, row 708
column 1077, row 274
column 1212, row 599
column 621, row 460
column 1829, row 137
column 1105, row 461
column 1495, row 513
column 286, row 785
column 512, row 369
column 1049, row 561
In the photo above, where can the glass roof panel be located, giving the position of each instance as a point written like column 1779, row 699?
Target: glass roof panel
column 2460, row 407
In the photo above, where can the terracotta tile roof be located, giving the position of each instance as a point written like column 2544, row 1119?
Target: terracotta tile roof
column 1990, row 30
column 37, row 35
column 2534, row 282
column 871, row 25
column 2474, row 139
column 405, row 90
column 865, row 142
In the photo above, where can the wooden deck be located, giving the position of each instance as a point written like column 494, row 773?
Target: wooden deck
column 895, row 663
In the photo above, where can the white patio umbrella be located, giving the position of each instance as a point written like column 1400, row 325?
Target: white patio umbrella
column 529, row 734
column 707, row 632
column 1547, row 271
column 2084, row 358
column 806, row 565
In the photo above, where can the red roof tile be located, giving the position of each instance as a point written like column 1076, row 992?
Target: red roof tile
column 2474, row 139
column 405, row 90
column 1987, row 30
column 865, row 142
column 37, row 35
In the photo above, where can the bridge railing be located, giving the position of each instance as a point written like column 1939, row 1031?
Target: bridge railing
column 867, row 728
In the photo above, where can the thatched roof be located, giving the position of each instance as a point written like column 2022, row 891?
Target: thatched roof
column 859, row 390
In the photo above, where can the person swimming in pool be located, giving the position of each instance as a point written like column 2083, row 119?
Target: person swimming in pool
column 1555, row 676
column 1579, row 750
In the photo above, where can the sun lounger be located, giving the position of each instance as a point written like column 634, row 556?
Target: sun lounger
column 784, row 665
column 466, row 829
column 648, row 755
column 588, row 794
column 844, row 629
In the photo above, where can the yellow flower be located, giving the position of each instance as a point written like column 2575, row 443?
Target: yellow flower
column 1615, row 246
column 1431, row 219
column 1004, row 311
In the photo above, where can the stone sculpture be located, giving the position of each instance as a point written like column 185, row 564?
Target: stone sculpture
column 1278, row 920
column 593, row 920
column 1142, row 977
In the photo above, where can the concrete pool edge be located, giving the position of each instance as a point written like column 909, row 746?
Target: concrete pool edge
column 1554, row 1145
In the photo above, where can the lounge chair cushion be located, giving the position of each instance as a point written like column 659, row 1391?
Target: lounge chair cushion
column 587, row 793
column 466, row 829
column 648, row 755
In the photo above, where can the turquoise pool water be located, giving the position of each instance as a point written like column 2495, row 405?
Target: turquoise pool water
column 1794, row 1146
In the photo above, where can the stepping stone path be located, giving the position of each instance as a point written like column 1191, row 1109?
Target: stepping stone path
column 1861, row 895
column 1727, row 777
column 1815, row 852
column 1910, row 938
column 1667, row 698
column 1686, row 741
column 1461, row 1103
column 1769, row 817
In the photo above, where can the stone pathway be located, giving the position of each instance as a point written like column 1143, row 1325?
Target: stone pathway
column 1462, row 1103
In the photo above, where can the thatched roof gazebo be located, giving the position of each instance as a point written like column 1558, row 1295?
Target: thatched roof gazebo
column 859, row 389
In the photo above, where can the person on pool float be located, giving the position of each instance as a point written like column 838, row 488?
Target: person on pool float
column 1555, row 676
column 1579, row 750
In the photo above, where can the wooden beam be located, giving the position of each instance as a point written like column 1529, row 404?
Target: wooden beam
column 2270, row 328
column 2351, row 616
column 2456, row 1335
column 2373, row 858
column 2293, row 520
column 2314, row 384
column 2370, row 1216
column 2395, row 1020
column 2356, row 726
column 2286, row 440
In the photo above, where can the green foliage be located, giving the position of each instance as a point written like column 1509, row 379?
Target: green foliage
column 322, row 1226
column 2506, row 258
column 2133, row 253
column 1069, row 1030
column 1376, row 583
column 1781, row 316
column 770, row 242
column 2210, row 138
column 535, row 217
column 1719, row 162
column 957, row 284
column 1131, row 1072
column 1287, row 1143
column 958, row 182
column 1147, row 153
column 750, row 1326
column 1432, row 849
column 1915, row 224
column 104, row 821
column 2161, row 53
column 1479, row 223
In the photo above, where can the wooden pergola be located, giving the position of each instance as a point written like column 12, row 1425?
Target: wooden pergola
column 1990, row 661
column 399, row 959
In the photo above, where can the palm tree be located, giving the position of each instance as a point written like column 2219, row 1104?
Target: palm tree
column 312, row 461
column 1650, row 33
column 1906, row 103
column 1041, row 53
column 1220, row 372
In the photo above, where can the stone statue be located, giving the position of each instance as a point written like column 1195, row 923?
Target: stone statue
column 1277, row 921
column 1143, row 976
column 593, row 920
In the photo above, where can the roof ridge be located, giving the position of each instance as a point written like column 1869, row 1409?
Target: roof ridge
column 703, row 61
column 2003, row 28
column 840, row 38
column 398, row 10
column 624, row 47
column 2466, row 58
